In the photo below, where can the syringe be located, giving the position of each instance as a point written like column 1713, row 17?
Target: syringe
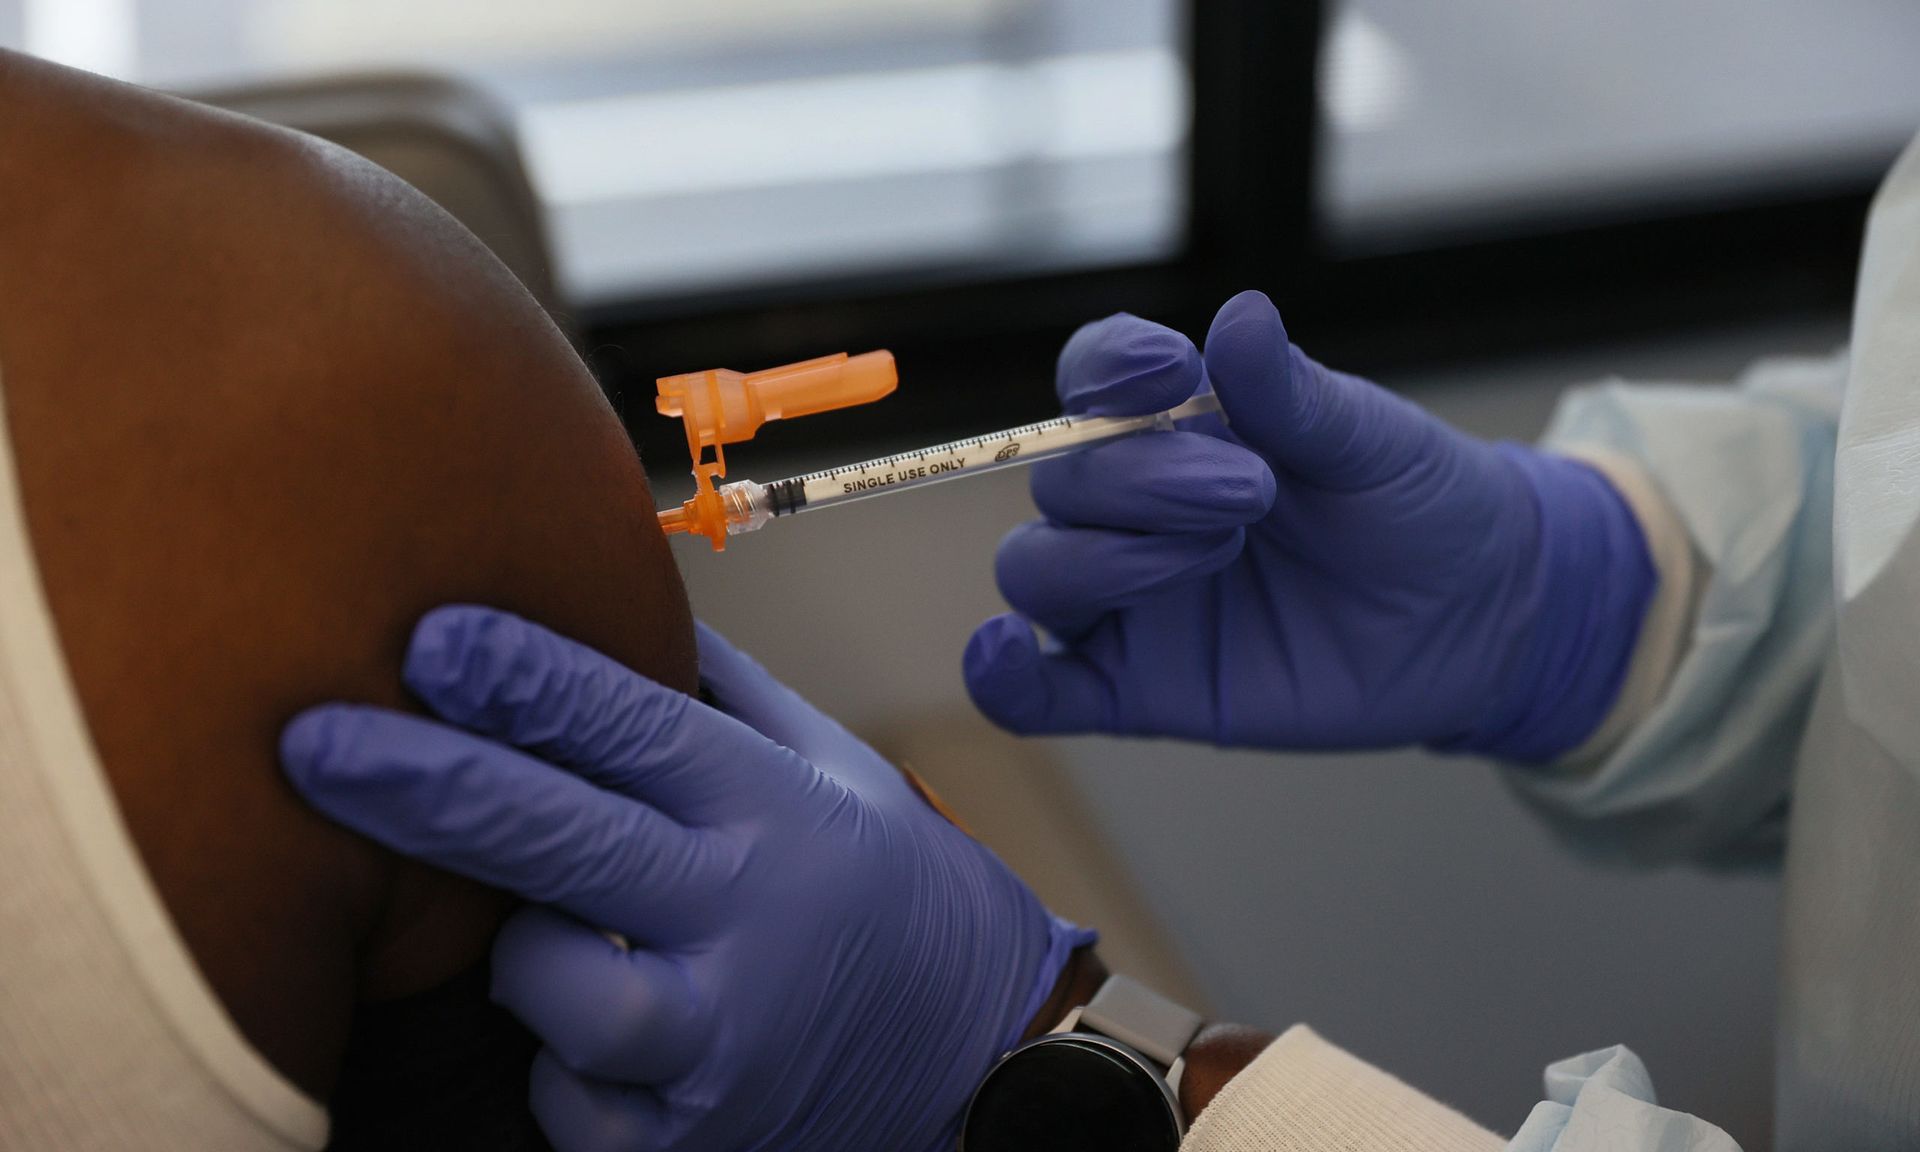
column 747, row 505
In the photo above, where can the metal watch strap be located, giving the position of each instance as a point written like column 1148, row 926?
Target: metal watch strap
column 1142, row 1019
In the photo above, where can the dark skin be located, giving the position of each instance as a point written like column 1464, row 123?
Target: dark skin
column 267, row 406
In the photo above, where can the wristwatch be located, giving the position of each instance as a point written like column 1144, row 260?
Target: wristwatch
column 1106, row 1079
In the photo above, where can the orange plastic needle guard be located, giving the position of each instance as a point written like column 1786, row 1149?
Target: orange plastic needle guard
column 722, row 407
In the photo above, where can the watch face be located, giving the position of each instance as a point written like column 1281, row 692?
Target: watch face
column 1068, row 1093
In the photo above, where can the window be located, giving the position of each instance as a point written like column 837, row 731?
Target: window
column 685, row 147
column 1484, row 115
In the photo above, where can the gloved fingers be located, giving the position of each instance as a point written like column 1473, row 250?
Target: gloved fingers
column 1065, row 579
column 1328, row 428
column 1126, row 366
column 501, row 817
column 1159, row 482
column 510, row 679
column 750, row 694
column 580, row 1114
column 627, row 1015
column 1030, row 692
column 744, row 690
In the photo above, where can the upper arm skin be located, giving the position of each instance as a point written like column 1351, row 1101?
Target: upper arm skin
column 268, row 405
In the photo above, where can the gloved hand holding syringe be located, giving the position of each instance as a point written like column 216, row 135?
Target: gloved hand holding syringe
column 721, row 407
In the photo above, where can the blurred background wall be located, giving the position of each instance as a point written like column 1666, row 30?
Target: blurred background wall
column 1481, row 202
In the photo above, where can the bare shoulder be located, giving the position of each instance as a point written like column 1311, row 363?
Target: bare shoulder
column 268, row 405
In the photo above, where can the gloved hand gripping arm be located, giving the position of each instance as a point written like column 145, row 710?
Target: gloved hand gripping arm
column 816, row 960
column 1332, row 568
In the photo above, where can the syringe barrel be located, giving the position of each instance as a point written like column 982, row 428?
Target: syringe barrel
column 745, row 505
column 969, row 457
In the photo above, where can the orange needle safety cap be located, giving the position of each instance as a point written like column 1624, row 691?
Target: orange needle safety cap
column 721, row 407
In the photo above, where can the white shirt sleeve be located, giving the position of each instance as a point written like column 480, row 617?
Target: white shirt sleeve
column 1305, row 1095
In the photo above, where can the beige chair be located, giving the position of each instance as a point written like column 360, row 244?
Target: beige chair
column 449, row 139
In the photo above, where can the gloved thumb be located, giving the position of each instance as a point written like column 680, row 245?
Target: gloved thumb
column 1030, row 692
column 1126, row 366
column 1327, row 428
column 749, row 693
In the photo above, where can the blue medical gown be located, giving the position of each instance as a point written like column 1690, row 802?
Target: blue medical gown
column 1708, row 773
column 1790, row 724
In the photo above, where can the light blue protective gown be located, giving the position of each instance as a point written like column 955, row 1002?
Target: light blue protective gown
column 1792, row 719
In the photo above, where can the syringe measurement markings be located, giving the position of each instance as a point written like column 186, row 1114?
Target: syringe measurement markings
column 951, row 448
column 748, row 505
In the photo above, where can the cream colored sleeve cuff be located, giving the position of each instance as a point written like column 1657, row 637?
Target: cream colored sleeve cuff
column 1303, row 1094
column 1669, row 620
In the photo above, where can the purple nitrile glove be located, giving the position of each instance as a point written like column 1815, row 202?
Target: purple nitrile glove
column 1338, row 569
column 817, row 958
